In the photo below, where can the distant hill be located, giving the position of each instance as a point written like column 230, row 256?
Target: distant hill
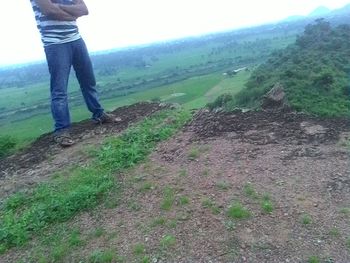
column 320, row 11
column 314, row 72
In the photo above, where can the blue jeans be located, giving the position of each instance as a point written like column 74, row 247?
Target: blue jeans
column 60, row 58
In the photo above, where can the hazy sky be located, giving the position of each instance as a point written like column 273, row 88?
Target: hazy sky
column 123, row 23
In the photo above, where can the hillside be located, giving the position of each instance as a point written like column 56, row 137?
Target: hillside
column 257, row 187
column 314, row 72
column 173, row 181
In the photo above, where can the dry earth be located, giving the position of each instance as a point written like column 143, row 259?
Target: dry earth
column 301, row 163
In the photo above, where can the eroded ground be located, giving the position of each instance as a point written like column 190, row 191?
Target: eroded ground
column 289, row 171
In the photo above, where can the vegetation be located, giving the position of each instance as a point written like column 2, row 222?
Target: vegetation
column 183, row 71
column 314, row 259
column 25, row 214
column 167, row 241
column 237, row 211
column 266, row 204
column 306, row 219
column 7, row 145
column 313, row 71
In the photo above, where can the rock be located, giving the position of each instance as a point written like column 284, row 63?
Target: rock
column 275, row 98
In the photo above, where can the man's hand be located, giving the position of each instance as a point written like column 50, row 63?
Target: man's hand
column 53, row 11
column 78, row 9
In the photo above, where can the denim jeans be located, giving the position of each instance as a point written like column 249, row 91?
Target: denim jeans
column 60, row 58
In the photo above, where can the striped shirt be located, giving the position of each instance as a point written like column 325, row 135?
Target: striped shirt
column 54, row 31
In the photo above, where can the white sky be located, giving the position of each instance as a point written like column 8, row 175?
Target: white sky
column 122, row 23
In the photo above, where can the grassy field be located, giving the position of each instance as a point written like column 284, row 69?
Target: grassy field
column 192, row 93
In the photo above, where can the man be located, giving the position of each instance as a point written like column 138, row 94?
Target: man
column 64, row 48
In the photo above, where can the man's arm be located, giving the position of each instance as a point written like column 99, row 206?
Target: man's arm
column 54, row 11
column 78, row 9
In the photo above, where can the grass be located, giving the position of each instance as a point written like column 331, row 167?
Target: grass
column 184, row 200
column 38, row 124
column 7, row 145
column 24, row 215
column 183, row 172
column 75, row 239
column 168, row 199
column 208, row 203
column 250, row 191
column 146, row 187
column 306, row 219
column 134, row 206
column 314, row 259
column 139, row 249
column 334, row 232
column 99, row 232
column 108, row 256
column 266, row 204
column 205, row 172
column 345, row 211
column 223, row 185
column 194, row 153
column 159, row 221
column 167, row 242
column 237, row 211
column 347, row 243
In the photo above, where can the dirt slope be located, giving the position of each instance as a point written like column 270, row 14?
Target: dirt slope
column 44, row 157
column 301, row 165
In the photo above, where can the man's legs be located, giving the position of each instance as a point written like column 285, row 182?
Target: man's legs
column 85, row 75
column 59, row 60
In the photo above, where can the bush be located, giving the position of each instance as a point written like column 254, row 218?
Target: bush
column 220, row 101
column 7, row 144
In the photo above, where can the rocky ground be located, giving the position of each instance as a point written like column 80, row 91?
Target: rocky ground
column 290, row 172
column 43, row 158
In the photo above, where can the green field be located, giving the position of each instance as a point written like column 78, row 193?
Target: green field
column 188, row 72
column 195, row 92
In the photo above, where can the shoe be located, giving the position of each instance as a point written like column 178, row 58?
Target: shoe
column 63, row 139
column 107, row 118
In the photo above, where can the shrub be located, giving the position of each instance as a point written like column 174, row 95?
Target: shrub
column 220, row 101
column 7, row 144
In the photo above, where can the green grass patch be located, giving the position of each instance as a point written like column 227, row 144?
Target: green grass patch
column 23, row 215
column 108, row 256
column 266, row 204
column 347, row 243
column 334, row 232
column 194, row 153
column 7, row 145
column 183, row 172
column 223, row 185
column 168, row 199
column 184, row 200
column 314, row 259
column 146, row 187
column 159, row 221
column 345, row 211
column 238, row 211
column 250, row 191
column 306, row 219
column 209, row 203
column 139, row 249
column 167, row 241
column 98, row 232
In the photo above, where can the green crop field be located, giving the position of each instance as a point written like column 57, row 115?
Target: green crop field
column 192, row 93
column 188, row 72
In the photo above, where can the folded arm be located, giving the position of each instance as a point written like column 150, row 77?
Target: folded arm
column 78, row 9
column 54, row 11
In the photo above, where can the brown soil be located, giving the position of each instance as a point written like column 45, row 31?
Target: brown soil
column 301, row 162
column 44, row 157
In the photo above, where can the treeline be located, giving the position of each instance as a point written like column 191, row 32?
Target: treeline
column 314, row 72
